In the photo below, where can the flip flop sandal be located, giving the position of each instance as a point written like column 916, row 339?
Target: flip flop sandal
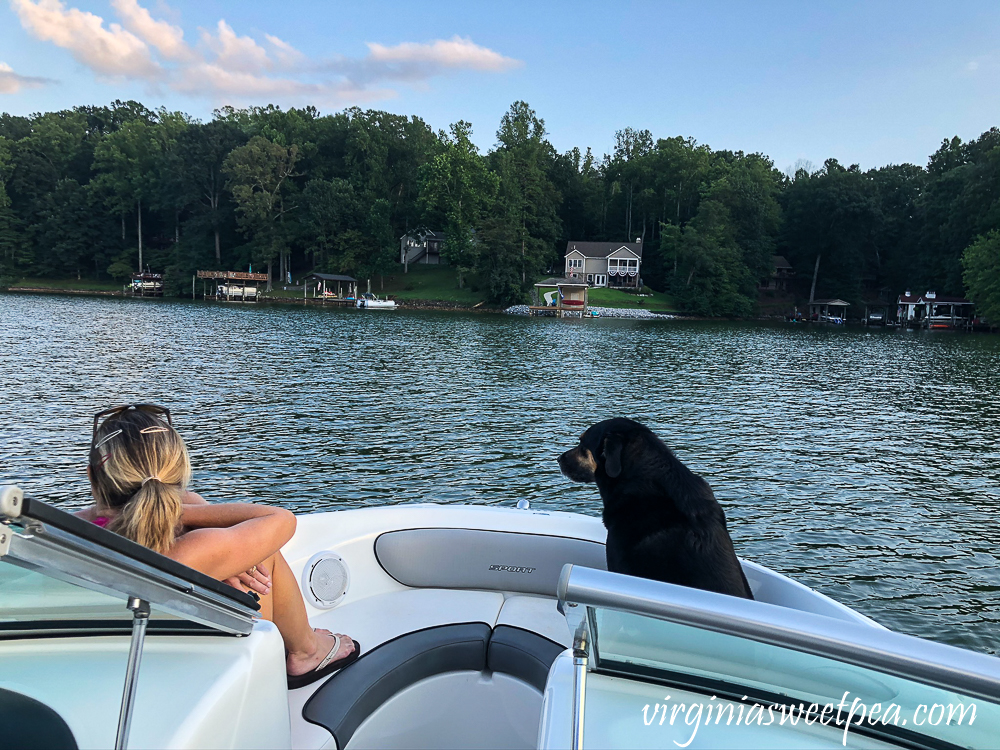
column 326, row 667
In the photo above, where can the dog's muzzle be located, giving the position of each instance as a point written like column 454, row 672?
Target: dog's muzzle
column 578, row 464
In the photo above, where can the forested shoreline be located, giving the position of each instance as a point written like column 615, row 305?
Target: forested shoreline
column 85, row 193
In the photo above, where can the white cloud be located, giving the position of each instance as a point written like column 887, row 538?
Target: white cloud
column 285, row 54
column 236, row 87
column 456, row 53
column 111, row 51
column 972, row 66
column 11, row 82
column 165, row 37
column 236, row 53
column 232, row 69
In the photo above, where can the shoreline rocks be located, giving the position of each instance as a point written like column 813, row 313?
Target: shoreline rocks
column 606, row 312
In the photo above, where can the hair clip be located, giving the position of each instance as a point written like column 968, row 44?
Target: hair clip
column 106, row 438
column 147, row 430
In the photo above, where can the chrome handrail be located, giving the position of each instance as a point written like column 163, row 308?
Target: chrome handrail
column 934, row 664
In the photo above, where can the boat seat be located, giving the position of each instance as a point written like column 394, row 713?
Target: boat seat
column 345, row 700
column 539, row 615
column 351, row 695
column 28, row 724
column 483, row 560
column 522, row 654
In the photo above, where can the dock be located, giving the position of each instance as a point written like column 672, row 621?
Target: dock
column 566, row 298
column 230, row 286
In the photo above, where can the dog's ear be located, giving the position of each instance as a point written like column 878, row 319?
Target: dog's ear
column 612, row 455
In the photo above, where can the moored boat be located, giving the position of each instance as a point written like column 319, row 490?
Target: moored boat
column 369, row 301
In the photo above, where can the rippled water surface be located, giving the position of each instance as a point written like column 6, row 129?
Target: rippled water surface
column 864, row 464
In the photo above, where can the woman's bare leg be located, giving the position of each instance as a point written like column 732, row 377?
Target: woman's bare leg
column 306, row 647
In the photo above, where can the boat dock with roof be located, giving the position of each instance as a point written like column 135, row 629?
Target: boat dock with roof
column 561, row 297
column 231, row 286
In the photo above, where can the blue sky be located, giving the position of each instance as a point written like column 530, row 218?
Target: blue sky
column 869, row 83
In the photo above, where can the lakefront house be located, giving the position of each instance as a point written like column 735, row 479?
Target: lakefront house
column 611, row 264
column 421, row 247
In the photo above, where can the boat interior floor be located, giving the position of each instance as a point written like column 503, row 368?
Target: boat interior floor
column 440, row 658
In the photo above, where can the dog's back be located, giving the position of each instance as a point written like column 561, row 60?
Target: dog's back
column 663, row 520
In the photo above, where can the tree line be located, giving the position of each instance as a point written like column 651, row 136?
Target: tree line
column 99, row 192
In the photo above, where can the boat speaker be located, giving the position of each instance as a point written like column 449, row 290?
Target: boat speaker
column 325, row 579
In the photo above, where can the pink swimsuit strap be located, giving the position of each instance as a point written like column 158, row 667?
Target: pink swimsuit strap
column 101, row 521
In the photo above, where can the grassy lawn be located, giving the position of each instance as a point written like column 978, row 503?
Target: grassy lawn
column 430, row 282
column 84, row 285
column 604, row 297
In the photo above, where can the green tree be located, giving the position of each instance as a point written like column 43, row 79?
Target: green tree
column 456, row 188
column 126, row 161
column 259, row 175
column 981, row 264
column 527, row 200
column 11, row 241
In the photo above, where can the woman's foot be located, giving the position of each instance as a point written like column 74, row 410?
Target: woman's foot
column 299, row 663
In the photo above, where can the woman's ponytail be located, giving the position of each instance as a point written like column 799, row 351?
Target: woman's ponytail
column 152, row 516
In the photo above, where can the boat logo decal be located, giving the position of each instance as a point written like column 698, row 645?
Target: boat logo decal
column 511, row 568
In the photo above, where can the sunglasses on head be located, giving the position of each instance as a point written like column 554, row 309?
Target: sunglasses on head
column 159, row 411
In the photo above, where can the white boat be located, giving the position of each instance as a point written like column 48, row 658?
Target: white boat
column 369, row 301
column 479, row 626
column 236, row 291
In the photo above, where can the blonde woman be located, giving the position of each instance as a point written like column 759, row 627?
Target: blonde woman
column 139, row 471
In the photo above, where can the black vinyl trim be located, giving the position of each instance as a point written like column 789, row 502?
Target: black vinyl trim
column 29, row 724
column 351, row 695
column 15, row 630
column 60, row 519
column 523, row 654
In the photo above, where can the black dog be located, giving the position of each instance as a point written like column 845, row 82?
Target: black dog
column 663, row 521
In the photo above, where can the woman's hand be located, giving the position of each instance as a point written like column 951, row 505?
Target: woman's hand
column 257, row 579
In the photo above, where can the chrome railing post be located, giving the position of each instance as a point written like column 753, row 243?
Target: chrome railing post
column 140, row 618
column 579, row 695
column 580, row 663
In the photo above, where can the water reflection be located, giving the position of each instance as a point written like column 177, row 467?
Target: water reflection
column 863, row 463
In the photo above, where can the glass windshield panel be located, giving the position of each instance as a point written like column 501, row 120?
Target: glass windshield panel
column 791, row 681
column 32, row 596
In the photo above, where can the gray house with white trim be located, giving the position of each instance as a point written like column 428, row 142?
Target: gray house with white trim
column 611, row 264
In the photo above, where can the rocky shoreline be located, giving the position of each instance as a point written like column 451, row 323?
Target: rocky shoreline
column 605, row 312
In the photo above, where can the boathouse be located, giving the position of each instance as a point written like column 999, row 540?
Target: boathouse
column 931, row 310
column 231, row 285
column 561, row 297
column 611, row 264
column 828, row 310
column 334, row 287
column 146, row 285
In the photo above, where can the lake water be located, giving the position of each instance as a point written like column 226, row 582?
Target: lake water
column 862, row 463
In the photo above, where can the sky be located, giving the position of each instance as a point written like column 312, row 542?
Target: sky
column 871, row 83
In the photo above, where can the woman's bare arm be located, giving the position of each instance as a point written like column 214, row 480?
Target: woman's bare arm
column 227, row 539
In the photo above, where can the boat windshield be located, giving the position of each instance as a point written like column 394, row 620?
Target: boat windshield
column 798, row 668
column 30, row 595
column 795, row 686
column 59, row 573
column 30, row 599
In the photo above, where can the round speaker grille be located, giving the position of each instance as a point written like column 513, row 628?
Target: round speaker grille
column 326, row 579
